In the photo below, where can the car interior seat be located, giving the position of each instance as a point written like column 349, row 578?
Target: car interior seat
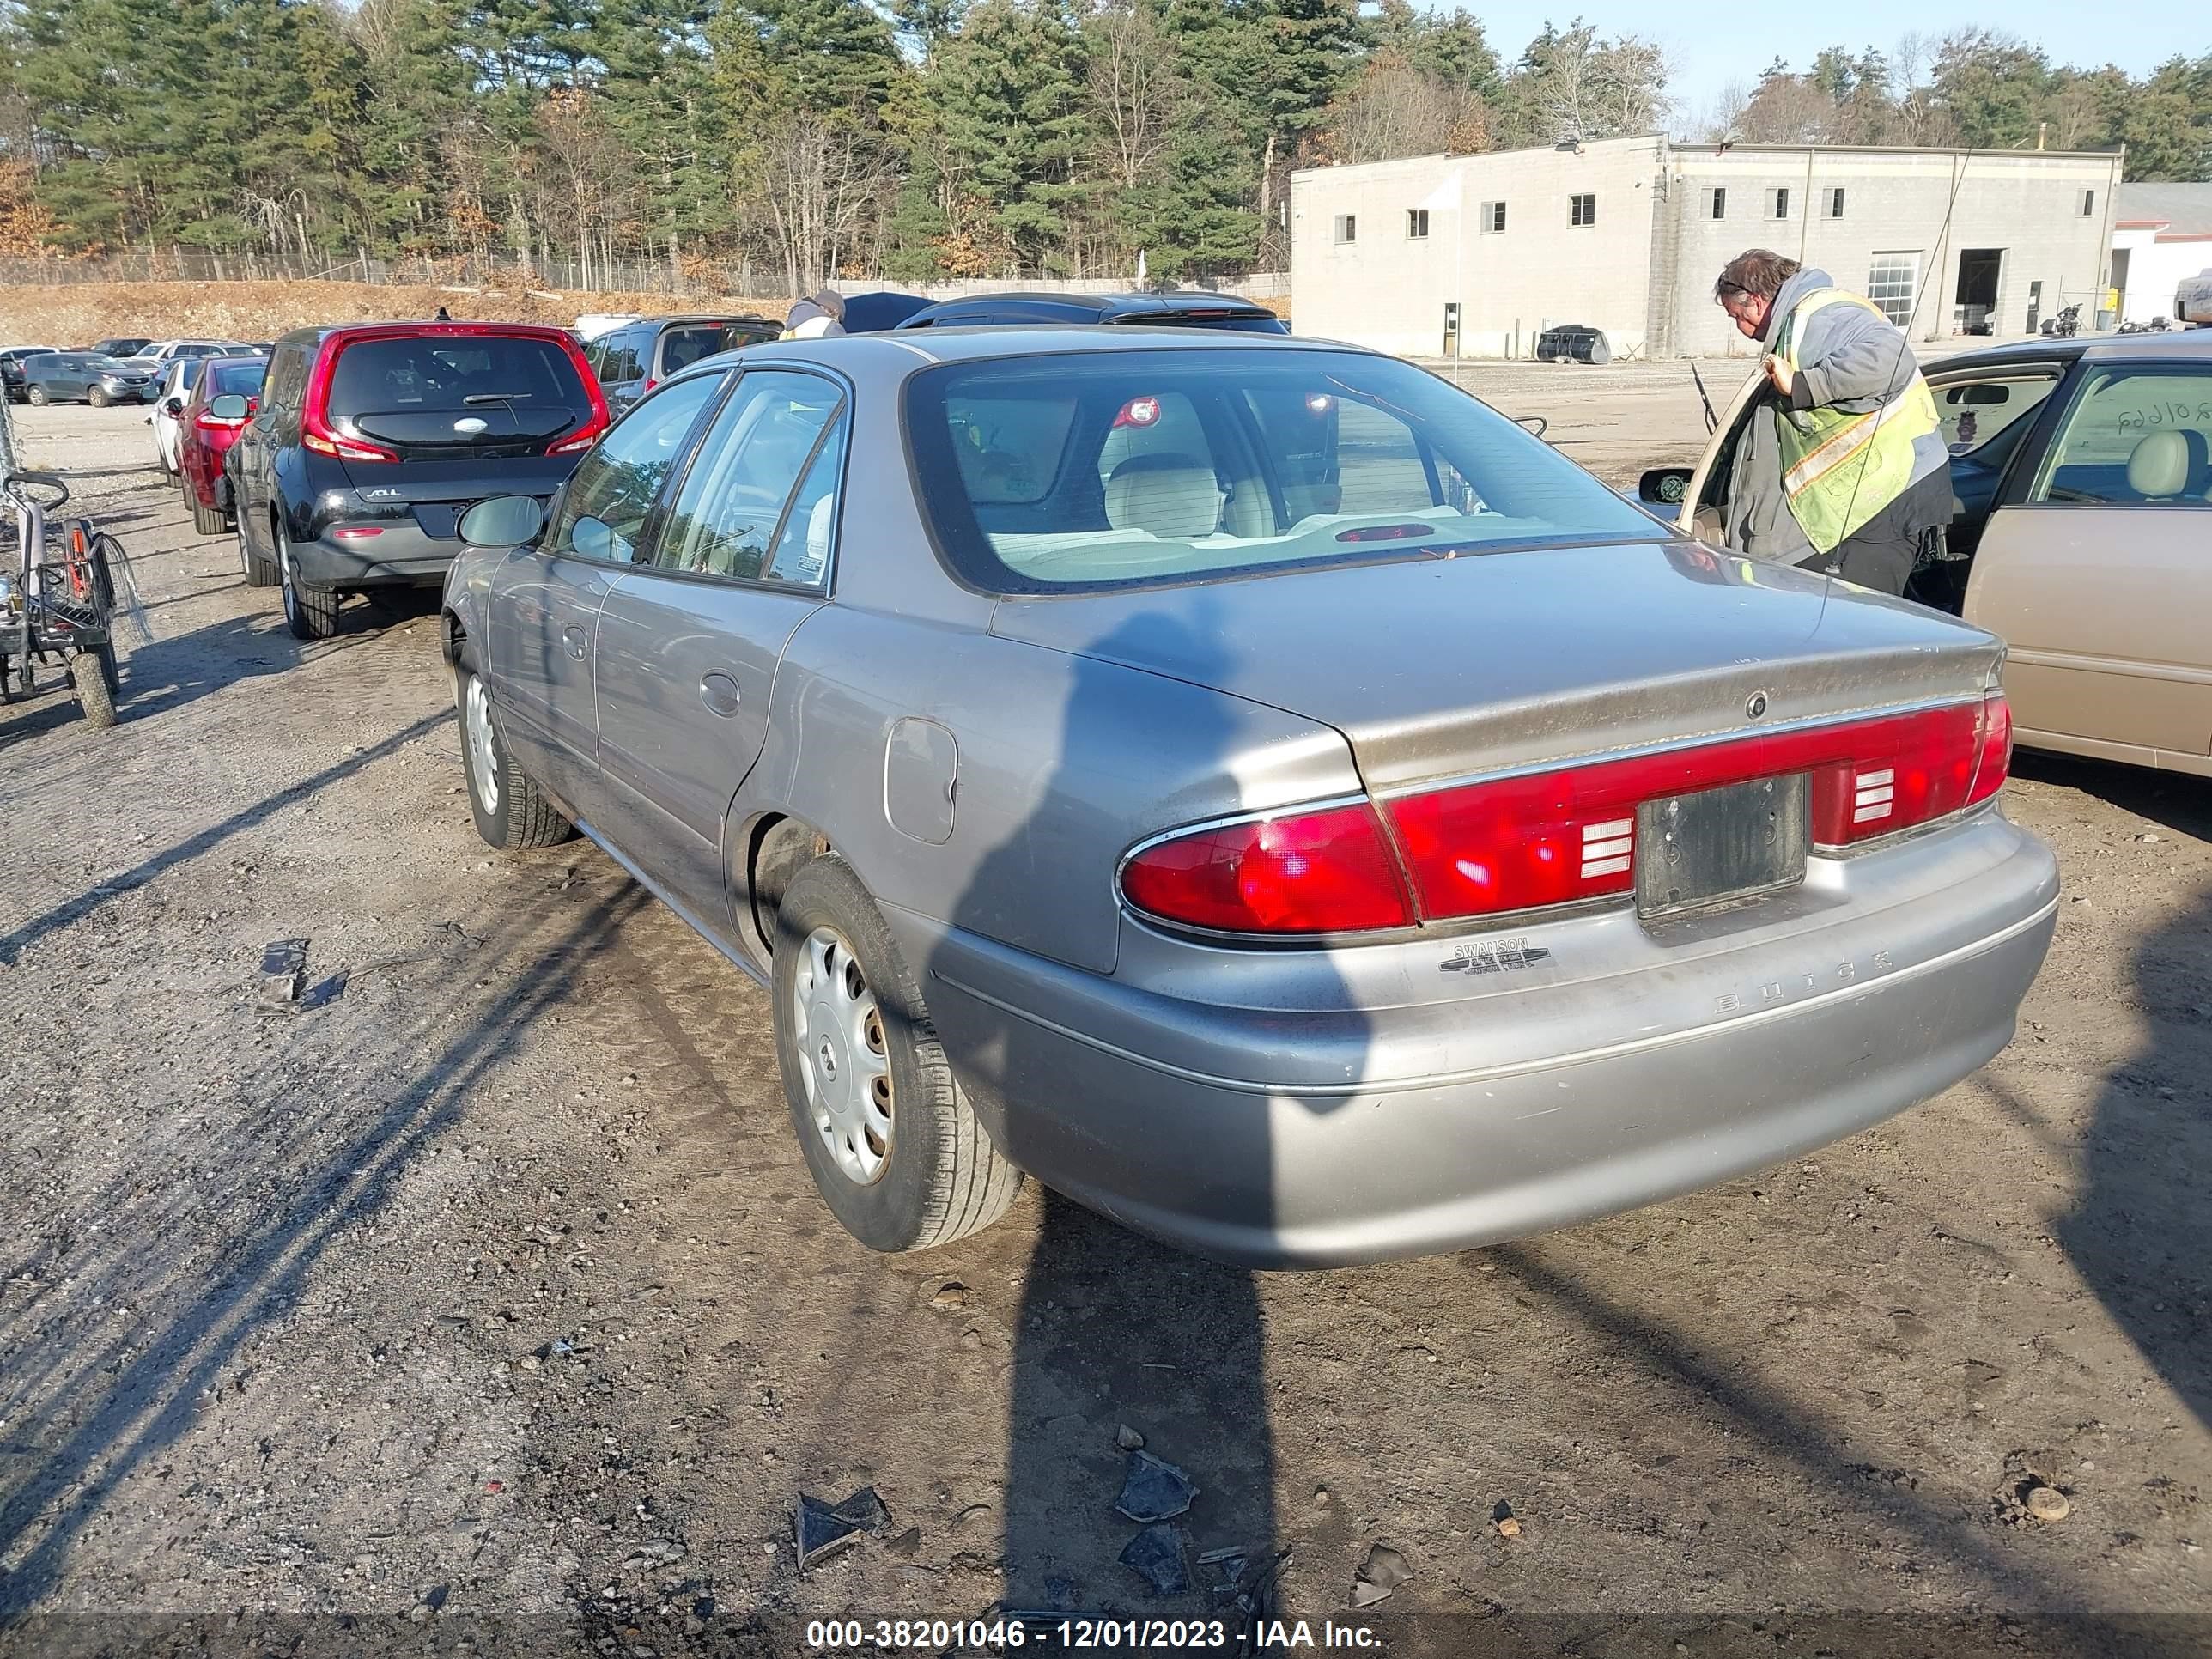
column 2170, row 465
column 1167, row 493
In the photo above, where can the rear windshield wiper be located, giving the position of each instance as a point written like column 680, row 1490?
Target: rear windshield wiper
column 474, row 398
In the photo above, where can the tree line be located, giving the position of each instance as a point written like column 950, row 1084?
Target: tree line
column 908, row 138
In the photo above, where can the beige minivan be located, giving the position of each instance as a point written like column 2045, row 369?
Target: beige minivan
column 2082, row 475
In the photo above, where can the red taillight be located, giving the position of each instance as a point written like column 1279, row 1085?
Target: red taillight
column 323, row 442
column 651, row 381
column 578, row 442
column 1996, row 749
column 1559, row 836
column 207, row 423
column 1329, row 872
column 1541, row 839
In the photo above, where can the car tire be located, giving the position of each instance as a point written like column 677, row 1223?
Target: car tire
column 512, row 812
column 207, row 520
column 894, row 1147
column 258, row 571
column 95, row 693
column 97, row 398
column 37, row 397
column 311, row 613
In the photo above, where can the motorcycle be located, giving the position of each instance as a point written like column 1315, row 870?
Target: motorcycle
column 2155, row 325
column 2064, row 325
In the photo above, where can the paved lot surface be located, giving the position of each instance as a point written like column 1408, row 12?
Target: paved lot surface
column 489, row 1282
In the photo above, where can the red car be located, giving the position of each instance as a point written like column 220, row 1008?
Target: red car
column 207, row 437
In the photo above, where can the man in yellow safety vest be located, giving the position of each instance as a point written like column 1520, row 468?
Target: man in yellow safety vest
column 1842, row 467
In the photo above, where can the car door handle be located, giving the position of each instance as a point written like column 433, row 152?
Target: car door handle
column 572, row 637
column 719, row 693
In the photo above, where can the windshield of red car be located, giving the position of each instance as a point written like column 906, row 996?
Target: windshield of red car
column 1109, row 469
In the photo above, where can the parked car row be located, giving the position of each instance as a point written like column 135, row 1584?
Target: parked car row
column 121, row 370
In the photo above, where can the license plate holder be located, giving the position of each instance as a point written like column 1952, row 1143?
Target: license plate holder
column 1722, row 846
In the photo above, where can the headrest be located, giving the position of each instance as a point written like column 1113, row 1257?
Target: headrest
column 1167, row 493
column 2165, row 463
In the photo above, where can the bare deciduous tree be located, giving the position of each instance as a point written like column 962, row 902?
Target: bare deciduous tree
column 822, row 179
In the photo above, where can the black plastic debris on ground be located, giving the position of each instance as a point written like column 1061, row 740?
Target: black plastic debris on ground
column 865, row 1510
column 1153, row 1490
column 1156, row 1555
column 820, row 1531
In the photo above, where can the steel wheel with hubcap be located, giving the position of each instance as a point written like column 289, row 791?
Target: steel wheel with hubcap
column 512, row 812
column 841, row 1042
column 895, row 1148
column 36, row 396
column 311, row 613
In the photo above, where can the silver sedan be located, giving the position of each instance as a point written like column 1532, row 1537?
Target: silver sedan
column 1250, row 786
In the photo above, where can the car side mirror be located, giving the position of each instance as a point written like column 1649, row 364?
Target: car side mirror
column 228, row 407
column 173, row 406
column 1664, row 486
column 507, row 521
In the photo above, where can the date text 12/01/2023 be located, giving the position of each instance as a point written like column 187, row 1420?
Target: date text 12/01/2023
column 1077, row 1635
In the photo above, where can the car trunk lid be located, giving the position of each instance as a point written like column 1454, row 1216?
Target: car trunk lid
column 1435, row 669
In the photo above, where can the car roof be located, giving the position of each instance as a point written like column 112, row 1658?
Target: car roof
column 2182, row 342
column 894, row 354
column 1117, row 305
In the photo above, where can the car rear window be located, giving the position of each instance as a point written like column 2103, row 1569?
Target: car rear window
column 1092, row 470
column 515, row 386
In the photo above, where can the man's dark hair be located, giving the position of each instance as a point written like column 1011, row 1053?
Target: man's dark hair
column 1759, row 271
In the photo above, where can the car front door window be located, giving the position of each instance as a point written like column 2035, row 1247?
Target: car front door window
column 759, row 468
column 603, row 510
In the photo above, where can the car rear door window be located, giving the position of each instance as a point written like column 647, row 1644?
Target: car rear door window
column 770, row 457
column 2135, row 435
column 455, row 394
column 618, row 359
column 609, row 498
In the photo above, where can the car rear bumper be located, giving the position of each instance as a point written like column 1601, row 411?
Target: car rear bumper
column 1285, row 1140
column 401, row 556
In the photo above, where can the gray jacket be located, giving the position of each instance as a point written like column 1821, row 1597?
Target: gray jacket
column 1847, row 357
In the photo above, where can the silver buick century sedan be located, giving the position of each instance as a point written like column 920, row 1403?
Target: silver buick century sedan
column 1250, row 786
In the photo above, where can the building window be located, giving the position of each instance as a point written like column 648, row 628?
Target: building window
column 1778, row 203
column 1836, row 202
column 1581, row 209
column 1347, row 227
column 1416, row 224
column 1890, row 283
column 1492, row 221
column 2088, row 204
column 1717, row 203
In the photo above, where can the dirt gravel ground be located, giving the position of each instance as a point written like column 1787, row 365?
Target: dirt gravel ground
column 487, row 1283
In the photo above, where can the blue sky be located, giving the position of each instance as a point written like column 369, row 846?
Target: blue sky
column 1709, row 46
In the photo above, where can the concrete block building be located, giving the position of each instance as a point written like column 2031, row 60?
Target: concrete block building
column 2161, row 234
column 1476, row 255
